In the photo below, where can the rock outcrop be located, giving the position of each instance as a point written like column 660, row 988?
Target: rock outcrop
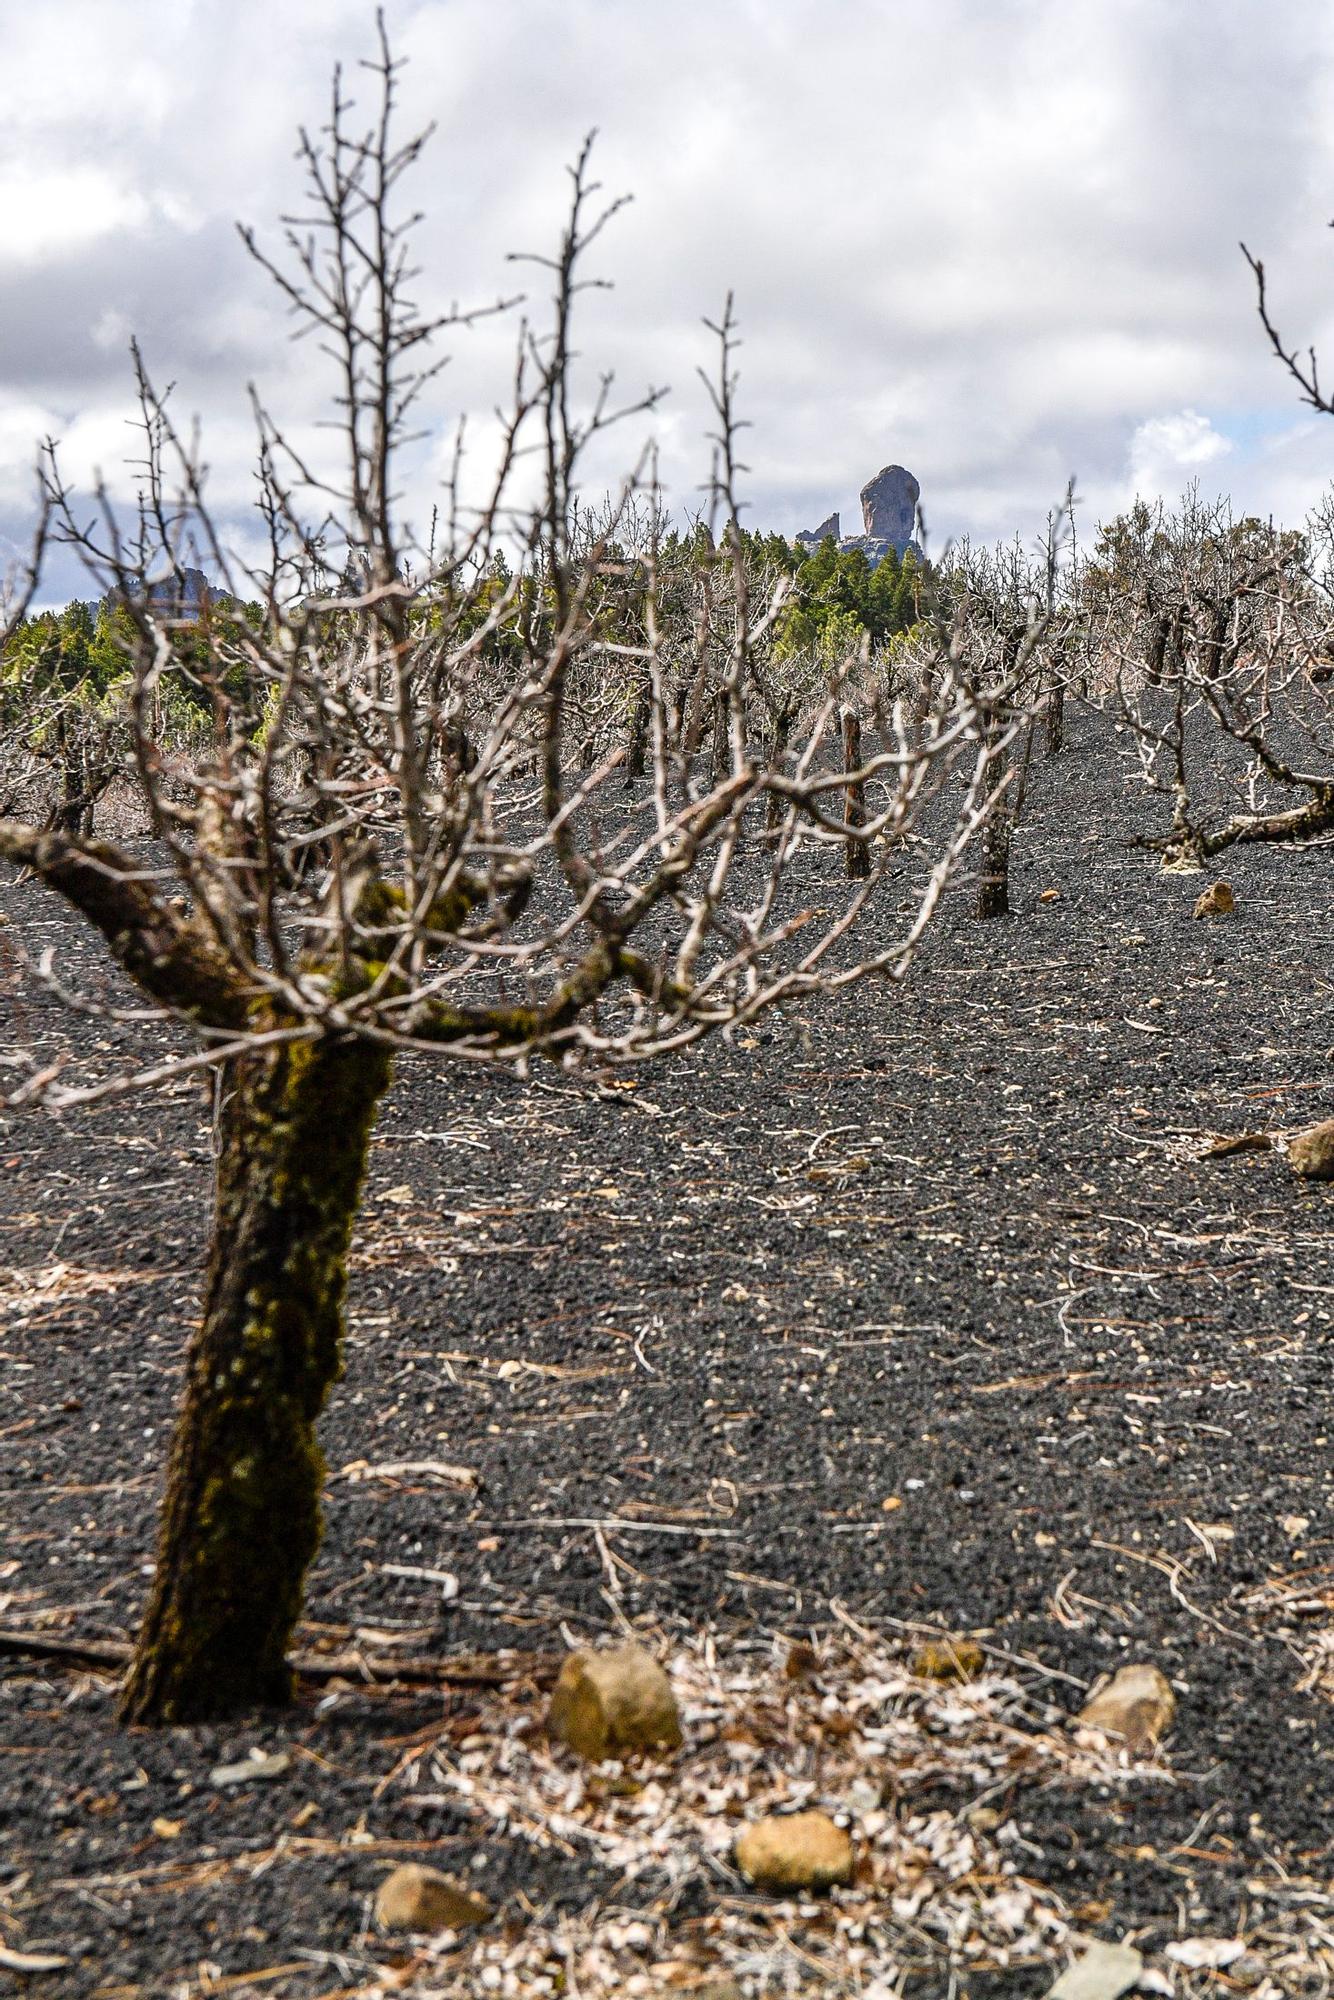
column 889, row 519
column 827, row 529
column 889, row 507
column 183, row 596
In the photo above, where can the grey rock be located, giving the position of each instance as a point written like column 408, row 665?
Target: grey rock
column 889, row 507
column 828, row 528
column 889, row 521
column 889, row 518
column 184, row 596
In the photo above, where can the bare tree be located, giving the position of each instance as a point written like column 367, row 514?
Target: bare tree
column 1019, row 629
column 1215, row 636
column 19, row 580
column 395, row 837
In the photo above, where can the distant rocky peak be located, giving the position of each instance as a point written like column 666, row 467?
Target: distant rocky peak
column 828, row 530
column 183, row 595
column 889, row 519
column 889, row 506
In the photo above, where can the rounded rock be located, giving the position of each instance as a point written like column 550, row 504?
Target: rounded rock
column 1137, row 1705
column 414, row 1898
column 1217, row 901
column 605, row 1704
column 1311, row 1153
column 789, row 1851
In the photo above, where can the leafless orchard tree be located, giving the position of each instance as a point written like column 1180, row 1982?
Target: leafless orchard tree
column 396, row 837
column 75, row 749
column 1018, row 612
column 1215, row 638
column 25, row 787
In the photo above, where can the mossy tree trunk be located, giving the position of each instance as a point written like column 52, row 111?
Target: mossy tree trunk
column 241, row 1517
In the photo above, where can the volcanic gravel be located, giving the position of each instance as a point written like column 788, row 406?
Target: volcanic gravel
column 921, row 1305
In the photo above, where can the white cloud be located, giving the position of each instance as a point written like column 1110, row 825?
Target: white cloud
column 1167, row 453
column 22, row 425
column 112, row 331
column 995, row 240
column 60, row 212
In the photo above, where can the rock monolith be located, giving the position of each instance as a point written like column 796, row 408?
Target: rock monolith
column 889, row 507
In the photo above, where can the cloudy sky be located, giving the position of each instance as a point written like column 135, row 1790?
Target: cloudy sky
column 993, row 240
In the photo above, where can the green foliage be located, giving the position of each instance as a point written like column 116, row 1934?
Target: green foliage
column 839, row 601
column 83, row 646
column 87, row 651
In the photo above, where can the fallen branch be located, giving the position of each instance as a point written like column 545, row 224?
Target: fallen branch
column 461, row 1670
column 1238, row 1142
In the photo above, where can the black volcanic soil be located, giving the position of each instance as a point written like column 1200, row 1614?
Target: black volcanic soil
column 952, row 1247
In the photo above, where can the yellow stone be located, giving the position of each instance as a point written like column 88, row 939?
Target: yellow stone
column 949, row 1660
column 1217, row 901
column 795, row 1851
column 1137, row 1704
column 605, row 1704
column 1311, row 1153
column 414, row 1898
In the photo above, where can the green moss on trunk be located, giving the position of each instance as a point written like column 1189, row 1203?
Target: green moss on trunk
column 241, row 1517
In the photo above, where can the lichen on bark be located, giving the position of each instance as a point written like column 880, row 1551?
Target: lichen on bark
column 241, row 1517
